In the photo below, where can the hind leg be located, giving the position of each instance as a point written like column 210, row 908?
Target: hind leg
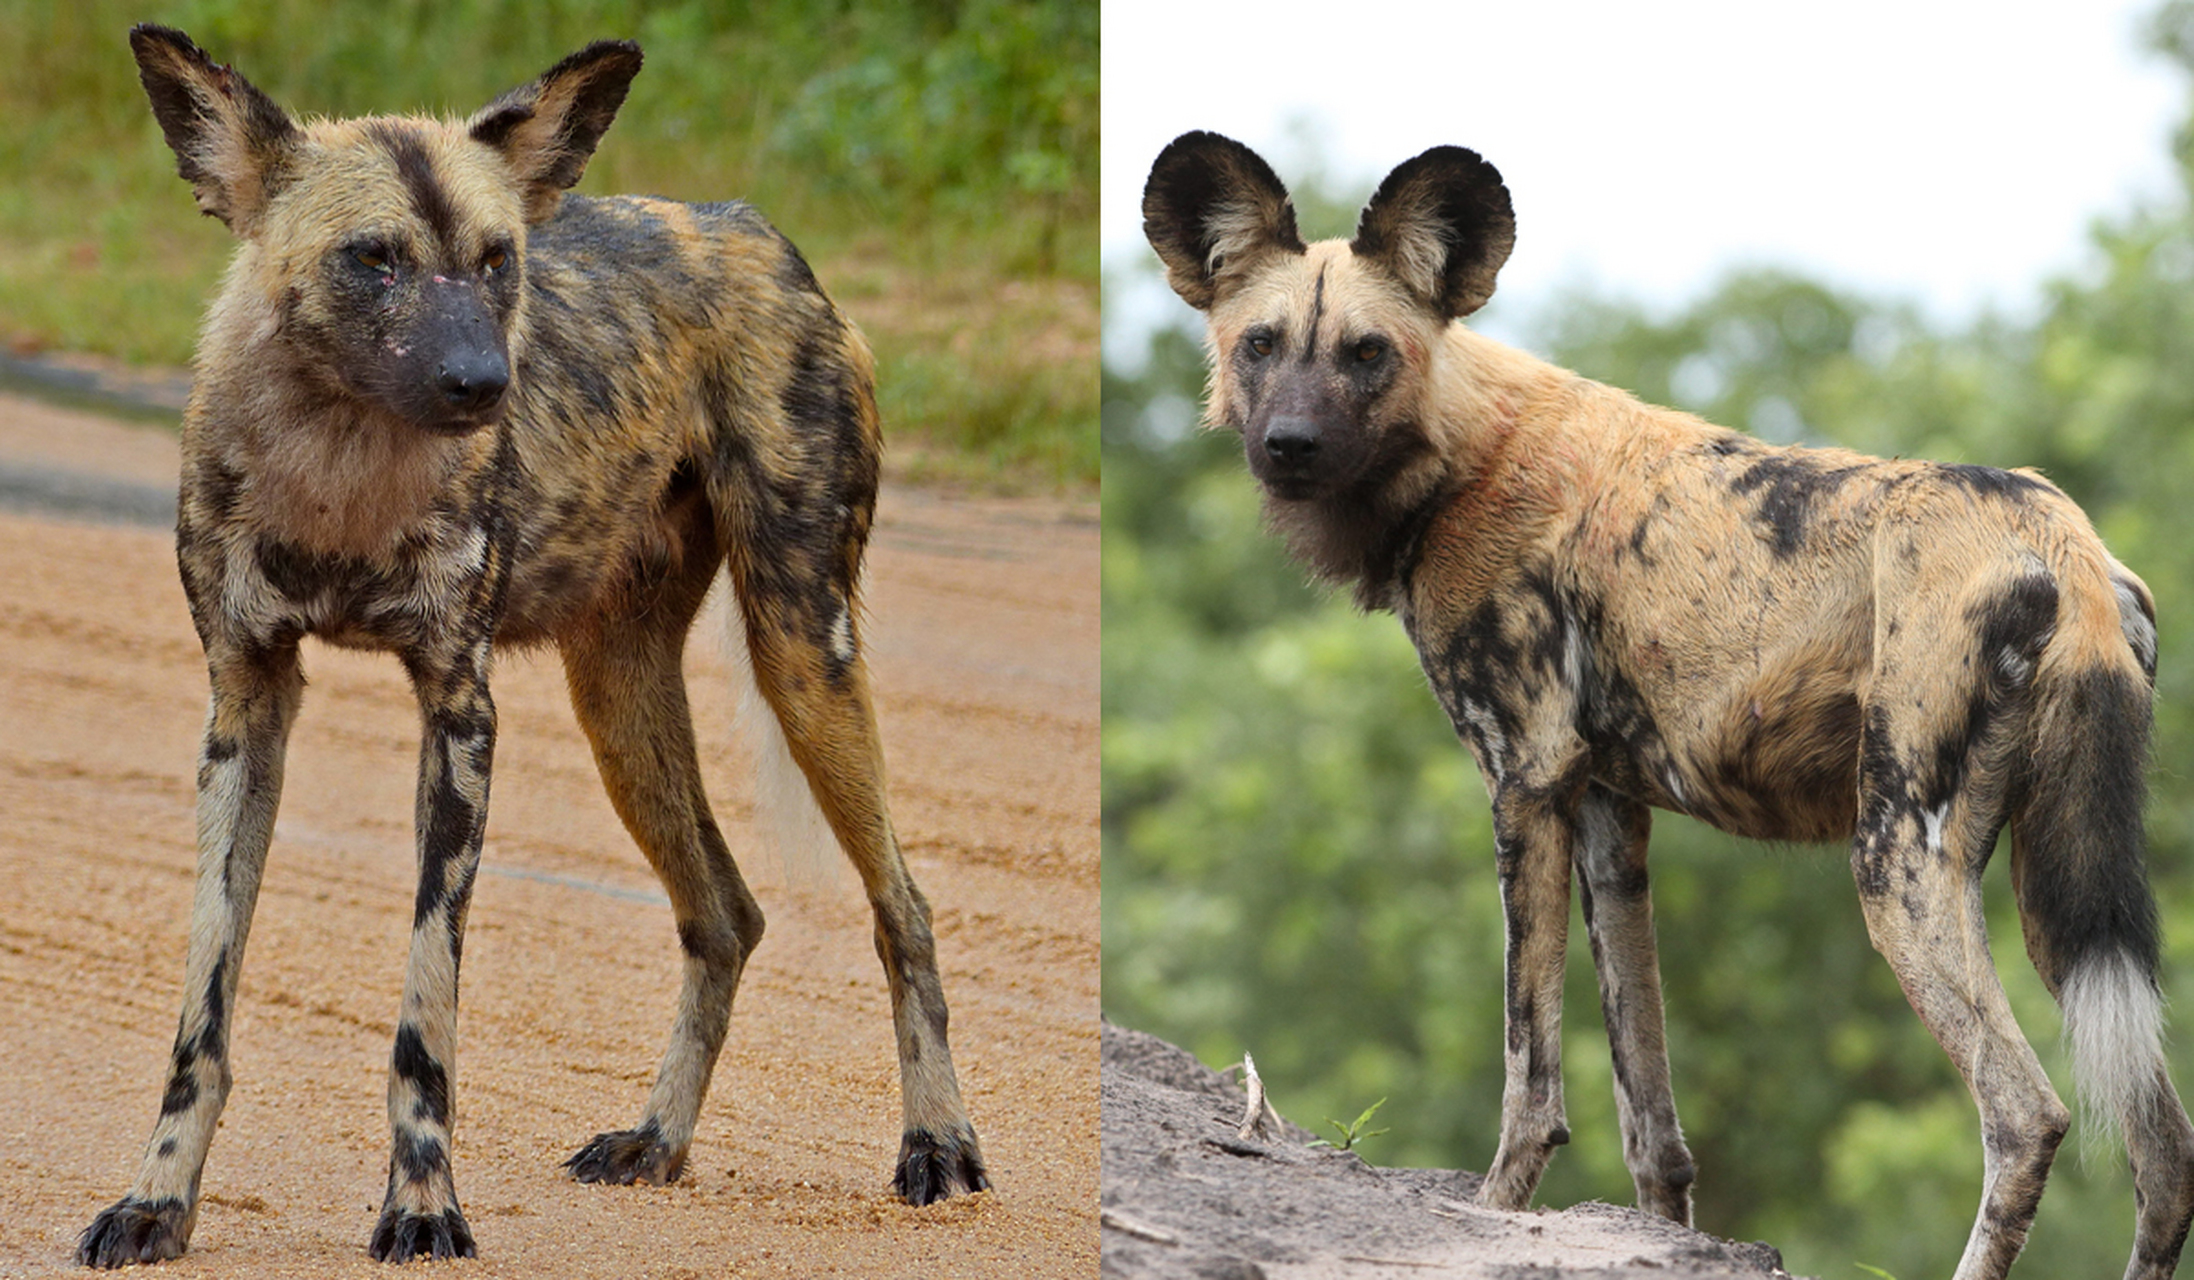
column 1611, row 876
column 802, row 635
column 2160, row 1146
column 1922, row 843
column 628, row 687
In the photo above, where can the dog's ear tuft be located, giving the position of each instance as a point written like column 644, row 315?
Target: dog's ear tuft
column 1441, row 224
column 1212, row 209
column 231, row 142
column 547, row 130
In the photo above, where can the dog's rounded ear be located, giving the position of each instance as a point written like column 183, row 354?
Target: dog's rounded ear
column 1212, row 209
column 1441, row 224
column 231, row 142
column 548, row 129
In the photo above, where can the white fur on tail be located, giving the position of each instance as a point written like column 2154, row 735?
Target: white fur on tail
column 785, row 812
column 2113, row 1020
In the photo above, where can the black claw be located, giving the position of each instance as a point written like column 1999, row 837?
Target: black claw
column 401, row 1236
column 132, row 1230
column 626, row 1156
column 934, row 1167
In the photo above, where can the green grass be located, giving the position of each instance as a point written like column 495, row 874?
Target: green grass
column 936, row 163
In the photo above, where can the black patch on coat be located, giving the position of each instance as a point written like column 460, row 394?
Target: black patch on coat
column 1886, row 789
column 211, row 1038
column 417, row 1157
column 217, row 486
column 413, row 1062
column 300, row 574
column 1990, row 482
column 182, row 1091
column 2014, row 628
column 1790, row 483
column 451, row 834
column 1467, row 673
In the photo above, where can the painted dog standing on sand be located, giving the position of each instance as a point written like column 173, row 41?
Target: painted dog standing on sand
column 440, row 406
column 1622, row 607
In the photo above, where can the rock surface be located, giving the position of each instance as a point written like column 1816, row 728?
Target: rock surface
column 1185, row 1198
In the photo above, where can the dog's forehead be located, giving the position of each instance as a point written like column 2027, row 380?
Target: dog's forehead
column 1324, row 284
column 387, row 171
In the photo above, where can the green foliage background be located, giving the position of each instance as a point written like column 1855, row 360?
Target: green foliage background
column 936, row 161
column 1297, row 853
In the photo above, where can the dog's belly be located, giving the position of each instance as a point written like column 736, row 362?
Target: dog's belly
column 1776, row 763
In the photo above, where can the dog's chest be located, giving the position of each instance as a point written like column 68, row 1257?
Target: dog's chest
column 434, row 586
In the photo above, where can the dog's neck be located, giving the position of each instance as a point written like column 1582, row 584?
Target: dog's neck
column 322, row 470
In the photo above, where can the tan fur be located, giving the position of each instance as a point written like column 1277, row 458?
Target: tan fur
column 440, row 407
column 1624, row 608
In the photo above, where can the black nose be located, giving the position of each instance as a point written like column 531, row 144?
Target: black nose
column 1292, row 441
column 473, row 382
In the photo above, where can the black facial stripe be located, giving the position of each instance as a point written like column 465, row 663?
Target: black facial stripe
column 429, row 198
column 1317, row 313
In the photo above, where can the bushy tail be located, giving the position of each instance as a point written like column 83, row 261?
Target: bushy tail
column 2080, row 863
column 785, row 812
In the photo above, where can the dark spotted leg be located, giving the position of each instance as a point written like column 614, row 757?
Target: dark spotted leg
column 420, row 1215
column 1922, row 842
column 256, row 691
column 1618, row 911
column 802, row 636
column 1532, row 834
column 629, row 689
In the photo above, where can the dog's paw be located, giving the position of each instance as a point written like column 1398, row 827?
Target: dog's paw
column 133, row 1230
column 626, row 1156
column 402, row 1235
column 933, row 1167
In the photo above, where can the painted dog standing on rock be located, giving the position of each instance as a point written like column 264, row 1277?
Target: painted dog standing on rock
column 440, row 406
column 1622, row 608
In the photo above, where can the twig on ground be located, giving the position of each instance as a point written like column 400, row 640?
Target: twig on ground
column 1140, row 1230
column 1259, row 1111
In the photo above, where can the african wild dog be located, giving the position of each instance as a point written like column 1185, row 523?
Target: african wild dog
column 440, row 406
column 1623, row 607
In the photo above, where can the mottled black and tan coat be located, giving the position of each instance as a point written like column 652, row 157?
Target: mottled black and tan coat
column 442, row 407
column 1624, row 608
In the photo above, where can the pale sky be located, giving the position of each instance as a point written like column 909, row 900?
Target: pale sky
column 1952, row 152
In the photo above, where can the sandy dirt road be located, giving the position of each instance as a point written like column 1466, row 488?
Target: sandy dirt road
column 984, row 633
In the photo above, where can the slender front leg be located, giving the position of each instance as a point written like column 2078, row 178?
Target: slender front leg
column 419, row 1216
column 1618, row 911
column 1533, row 834
column 256, row 692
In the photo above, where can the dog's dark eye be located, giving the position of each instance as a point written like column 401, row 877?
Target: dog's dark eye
column 496, row 259
column 373, row 255
column 1260, row 345
column 1368, row 350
